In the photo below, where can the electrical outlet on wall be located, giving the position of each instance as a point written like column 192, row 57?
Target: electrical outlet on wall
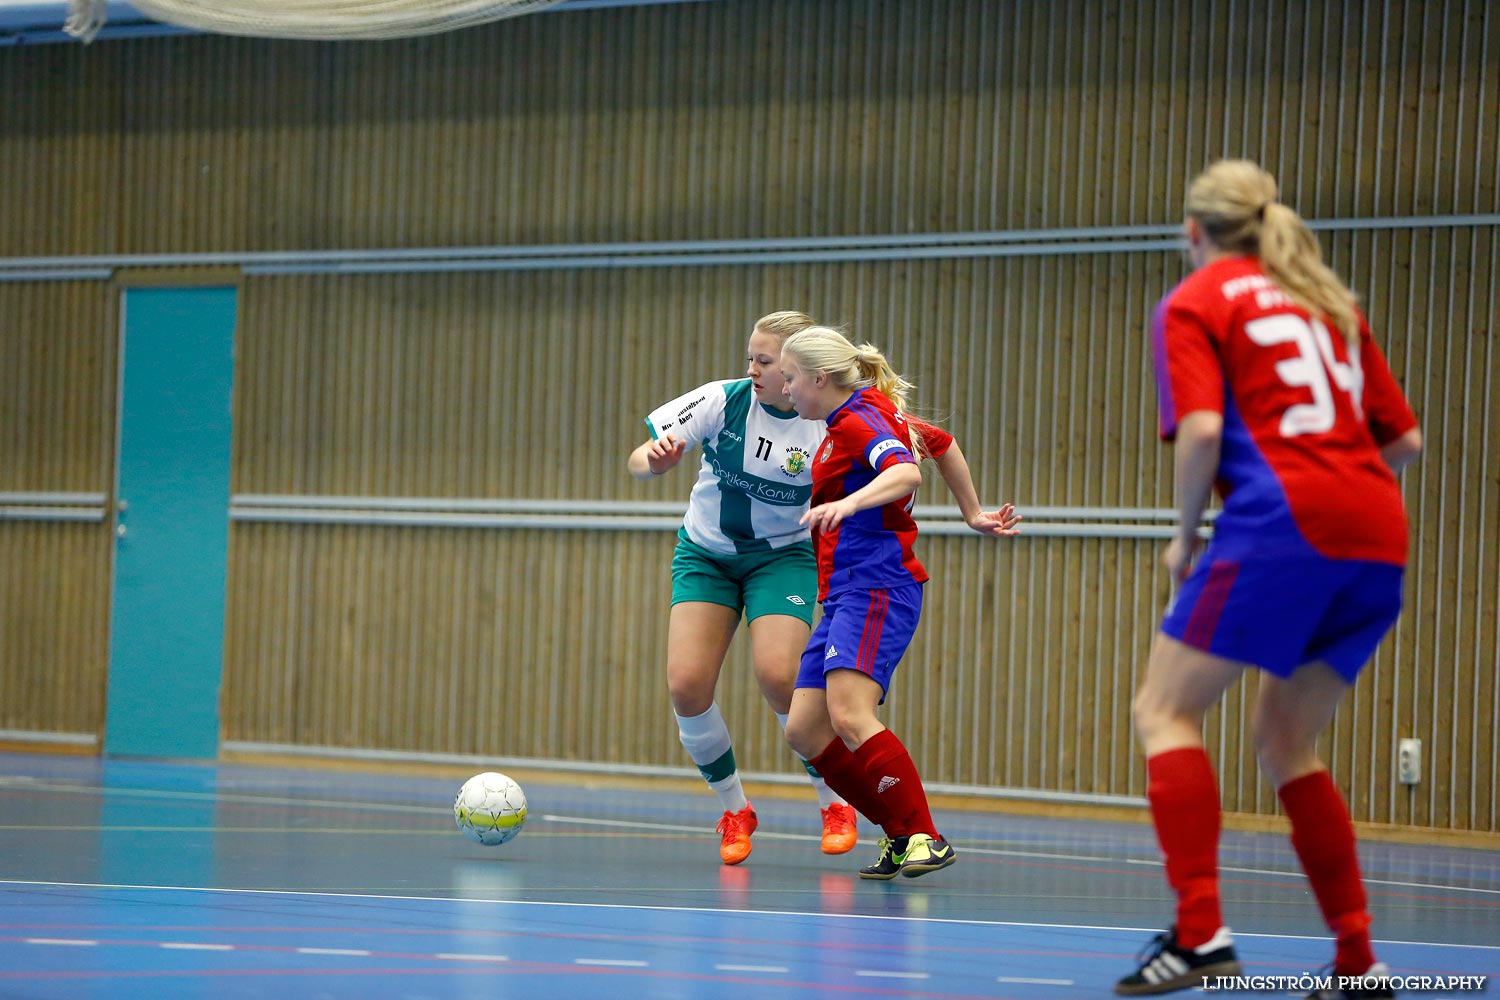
column 1409, row 761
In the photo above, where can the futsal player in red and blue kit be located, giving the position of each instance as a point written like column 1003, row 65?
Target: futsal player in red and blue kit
column 870, row 585
column 1272, row 386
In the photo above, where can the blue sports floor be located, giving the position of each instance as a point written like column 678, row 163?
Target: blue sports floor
column 133, row 879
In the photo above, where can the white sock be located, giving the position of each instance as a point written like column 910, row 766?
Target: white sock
column 826, row 796
column 706, row 739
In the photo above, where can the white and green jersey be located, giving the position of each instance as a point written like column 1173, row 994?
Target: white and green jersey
column 756, row 478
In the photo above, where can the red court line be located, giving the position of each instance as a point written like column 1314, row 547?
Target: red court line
column 513, row 968
column 749, row 943
column 601, row 938
column 764, row 943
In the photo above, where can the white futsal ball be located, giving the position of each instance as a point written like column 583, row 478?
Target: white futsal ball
column 490, row 808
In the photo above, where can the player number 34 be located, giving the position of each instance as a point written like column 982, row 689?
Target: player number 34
column 1310, row 369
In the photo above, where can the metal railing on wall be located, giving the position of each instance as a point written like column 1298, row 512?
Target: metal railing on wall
column 701, row 253
column 52, row 507
column 609, row 515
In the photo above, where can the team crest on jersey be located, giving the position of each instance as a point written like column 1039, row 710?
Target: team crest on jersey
column 827, row 450
column 796, row 461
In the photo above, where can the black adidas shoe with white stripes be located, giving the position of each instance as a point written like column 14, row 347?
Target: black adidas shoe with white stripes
column 1165, row 967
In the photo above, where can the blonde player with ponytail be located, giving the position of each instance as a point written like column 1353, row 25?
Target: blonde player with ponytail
column 741, row 550
column 869, row 583
column 1272, row 386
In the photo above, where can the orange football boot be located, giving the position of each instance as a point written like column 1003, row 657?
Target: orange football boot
column 839, row 831
column 737, row 828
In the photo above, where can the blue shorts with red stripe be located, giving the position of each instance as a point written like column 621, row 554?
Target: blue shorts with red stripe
column 1281, row 613
column 863, row 630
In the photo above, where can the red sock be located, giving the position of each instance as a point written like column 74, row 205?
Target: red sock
column 1184, row 798
column 1324, row 840
column 891, row 778
column 845, row 776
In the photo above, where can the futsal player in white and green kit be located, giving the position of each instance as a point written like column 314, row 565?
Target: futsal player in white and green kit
column 741, row 549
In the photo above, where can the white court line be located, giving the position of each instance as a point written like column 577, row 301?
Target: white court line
column 664, row 828
column 194, row 946
column 333, row 951
column 881, row 974
column 343, row 831
column 808, row 914
column 1002, row 853
column 624, row 963
column 77, row 942
column 1297, row 874
column 461, row 957
column 1033, row 982
column 263, row 800
column 772, row 969
column 670, row 828
column 1376, row 881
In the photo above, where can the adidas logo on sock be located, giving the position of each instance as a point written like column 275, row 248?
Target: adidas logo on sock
column 885, row 782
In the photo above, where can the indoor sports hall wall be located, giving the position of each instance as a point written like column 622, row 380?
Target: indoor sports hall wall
column 57, row 367
column 1004, row 176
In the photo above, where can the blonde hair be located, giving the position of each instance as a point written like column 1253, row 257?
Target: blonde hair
column 783, row 324
column 1235, row 203
column 824, row 349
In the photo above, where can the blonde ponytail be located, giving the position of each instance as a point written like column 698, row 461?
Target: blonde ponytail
column 824, row 349
column 892, row 386
column 1293, row 260
column 876, row 371
column 1235, row 203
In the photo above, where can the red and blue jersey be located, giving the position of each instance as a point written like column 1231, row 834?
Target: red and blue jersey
column 1304, row 417
column 872, row 549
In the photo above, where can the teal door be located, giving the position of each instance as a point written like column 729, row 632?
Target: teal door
column 166, row 643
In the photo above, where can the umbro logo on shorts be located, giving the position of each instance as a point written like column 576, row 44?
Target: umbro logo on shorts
column 795, row 599
column 885, row 783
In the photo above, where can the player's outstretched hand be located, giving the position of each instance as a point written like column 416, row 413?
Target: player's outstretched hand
column 664, row 453
column 1002, row 523
column 827, row 516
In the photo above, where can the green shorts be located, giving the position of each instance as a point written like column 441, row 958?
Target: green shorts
column 778, row 582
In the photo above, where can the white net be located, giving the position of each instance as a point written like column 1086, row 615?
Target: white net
column 313, row 19
column 85, row 18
